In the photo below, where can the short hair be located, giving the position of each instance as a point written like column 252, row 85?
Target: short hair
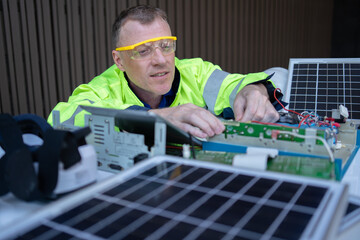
column 144, row 14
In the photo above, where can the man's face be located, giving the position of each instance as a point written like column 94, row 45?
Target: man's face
column 151, row 77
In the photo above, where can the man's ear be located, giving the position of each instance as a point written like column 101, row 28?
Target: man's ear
column 118, row 60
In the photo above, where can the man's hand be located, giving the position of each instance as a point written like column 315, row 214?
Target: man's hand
column 192, row 119
column 252, row 103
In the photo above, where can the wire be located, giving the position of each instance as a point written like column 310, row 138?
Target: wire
column 308, row 118
column 326, row 145
column 278, row 89
column 302, row 121
column 192, row 146
column 303, row 118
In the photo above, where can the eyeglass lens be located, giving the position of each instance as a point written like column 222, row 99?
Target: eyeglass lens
column 146, row 50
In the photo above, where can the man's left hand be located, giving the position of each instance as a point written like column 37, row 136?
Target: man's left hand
column 252, row 104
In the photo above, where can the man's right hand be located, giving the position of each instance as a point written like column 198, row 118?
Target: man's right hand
column 195, row 120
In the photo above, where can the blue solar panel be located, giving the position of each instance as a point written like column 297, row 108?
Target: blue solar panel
column 350, row 223
column 173, row 198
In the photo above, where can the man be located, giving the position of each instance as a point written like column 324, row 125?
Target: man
column 148, row 76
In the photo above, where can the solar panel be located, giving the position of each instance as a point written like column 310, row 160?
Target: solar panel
column 172, row 198
column 321, row 85
column 350, row 223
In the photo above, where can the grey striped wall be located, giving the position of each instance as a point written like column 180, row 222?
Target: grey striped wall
column 48, row 47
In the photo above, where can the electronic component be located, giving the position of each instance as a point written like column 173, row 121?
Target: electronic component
column 298, row 165
column 124, row 137
column 287, row 117
column 338, row 145
column 141, row 135
column 273, row 136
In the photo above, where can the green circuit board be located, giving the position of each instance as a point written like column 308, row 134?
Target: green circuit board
column 304, row 166
column 267, row 131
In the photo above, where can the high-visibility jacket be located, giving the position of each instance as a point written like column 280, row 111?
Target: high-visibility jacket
column 201, row 83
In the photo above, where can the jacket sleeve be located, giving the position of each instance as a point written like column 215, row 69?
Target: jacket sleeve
column 221, row 87
column 103, row 91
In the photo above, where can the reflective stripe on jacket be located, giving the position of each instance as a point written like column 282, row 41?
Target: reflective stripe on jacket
column 201, row 83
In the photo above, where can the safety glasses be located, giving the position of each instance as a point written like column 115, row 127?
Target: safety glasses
column 145, row 49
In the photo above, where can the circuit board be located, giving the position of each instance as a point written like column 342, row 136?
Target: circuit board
column 302, row 150
column 258, row 130
column 301, row 140
column 323, row 152
column 297, row 165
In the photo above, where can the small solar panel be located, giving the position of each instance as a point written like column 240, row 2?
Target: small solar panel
column 321, row 85
column 172, row 198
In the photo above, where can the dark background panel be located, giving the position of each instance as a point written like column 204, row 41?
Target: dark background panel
column 48, row 47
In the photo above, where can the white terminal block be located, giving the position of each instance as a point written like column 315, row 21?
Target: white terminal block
column 186, row 151
column 255, row 158
column 343, row 111
column 310, row 139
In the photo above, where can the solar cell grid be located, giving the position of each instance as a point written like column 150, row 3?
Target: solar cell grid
column 321, row 85
column 351, row 208
column 167, row 201
column 351, row 221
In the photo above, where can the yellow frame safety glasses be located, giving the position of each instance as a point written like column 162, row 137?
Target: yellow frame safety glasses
column 146, row 41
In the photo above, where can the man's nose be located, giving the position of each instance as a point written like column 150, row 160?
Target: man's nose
column 158, row 57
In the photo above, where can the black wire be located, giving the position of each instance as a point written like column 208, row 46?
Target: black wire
column 192, row 146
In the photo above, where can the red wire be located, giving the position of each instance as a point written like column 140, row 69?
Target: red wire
column 276, row 124
column 302, row 120
column 304, row 117
column 283, row 105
